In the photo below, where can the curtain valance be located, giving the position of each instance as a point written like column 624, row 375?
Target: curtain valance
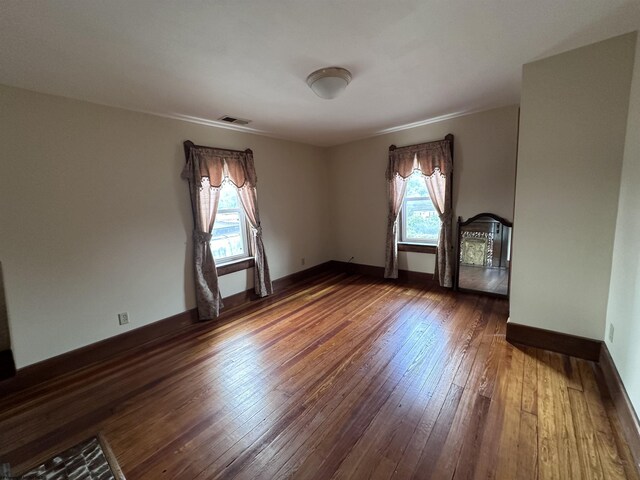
column 426, row 157
column 217, row 164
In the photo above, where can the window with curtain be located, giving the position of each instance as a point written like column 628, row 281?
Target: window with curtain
column 229, row 240
column 419, row 220
column 430, row 164
column 219, row 216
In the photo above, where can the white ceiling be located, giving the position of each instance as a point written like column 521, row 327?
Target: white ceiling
column 411, row 60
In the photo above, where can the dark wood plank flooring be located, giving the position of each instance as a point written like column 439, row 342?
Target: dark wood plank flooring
column 344, row 377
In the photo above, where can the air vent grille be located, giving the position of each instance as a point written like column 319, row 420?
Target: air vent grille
column 234, row 120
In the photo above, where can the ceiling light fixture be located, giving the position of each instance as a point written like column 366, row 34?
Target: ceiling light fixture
column 329, row 82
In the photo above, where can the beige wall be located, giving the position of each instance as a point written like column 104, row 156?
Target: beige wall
column 572, row 127
column 484, row 176
column 5, row 339
column 96, row 220
column 623, row 311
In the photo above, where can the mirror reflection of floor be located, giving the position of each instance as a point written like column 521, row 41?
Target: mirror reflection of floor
column 494, row 280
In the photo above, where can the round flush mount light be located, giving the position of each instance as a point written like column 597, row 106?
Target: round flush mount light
column 329, row 82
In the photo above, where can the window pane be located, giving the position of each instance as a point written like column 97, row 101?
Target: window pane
column 228, row 196
column 416, row 186
column 422, row 221
column 227, row 235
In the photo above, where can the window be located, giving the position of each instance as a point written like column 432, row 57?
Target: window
column 229, row 237
column 419, row 221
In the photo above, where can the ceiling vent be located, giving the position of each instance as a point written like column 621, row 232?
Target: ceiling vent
column 234, row 120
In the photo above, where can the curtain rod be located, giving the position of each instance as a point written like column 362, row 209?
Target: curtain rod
column 449, row 136
column 188, row 144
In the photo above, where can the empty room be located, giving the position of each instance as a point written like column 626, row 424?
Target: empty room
column 319, row 240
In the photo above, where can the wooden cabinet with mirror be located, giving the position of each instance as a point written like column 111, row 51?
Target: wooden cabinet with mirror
column 484, row 254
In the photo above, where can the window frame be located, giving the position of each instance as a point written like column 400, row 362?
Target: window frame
column 247, row 253
column 419, row 243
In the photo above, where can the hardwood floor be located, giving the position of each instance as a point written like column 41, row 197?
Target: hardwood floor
column 346, row 377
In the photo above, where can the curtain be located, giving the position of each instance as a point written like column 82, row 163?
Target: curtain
column 435, row 162
column 437, row 187
column 205, row 171
column 397, row 187
column 204, row 200
column 249, row 199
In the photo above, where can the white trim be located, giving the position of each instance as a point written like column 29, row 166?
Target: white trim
column 431, row 120
column 265, row 133
column 171, row 116
column 209, row 123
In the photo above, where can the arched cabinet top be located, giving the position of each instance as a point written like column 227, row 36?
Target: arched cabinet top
column 497, row 218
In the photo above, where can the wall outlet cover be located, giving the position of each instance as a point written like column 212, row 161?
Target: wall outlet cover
column 123, row 318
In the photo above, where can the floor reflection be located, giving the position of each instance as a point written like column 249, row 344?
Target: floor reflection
column 484, row 279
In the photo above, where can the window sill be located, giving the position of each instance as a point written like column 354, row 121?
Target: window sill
column 416, row 247
column 235, row 266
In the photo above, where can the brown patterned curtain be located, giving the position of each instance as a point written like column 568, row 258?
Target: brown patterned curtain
column 434, row 161
column 205, row 171
column 396, row 187
column 249, row 199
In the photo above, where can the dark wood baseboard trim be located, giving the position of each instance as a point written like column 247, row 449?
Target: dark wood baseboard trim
column 96, row 352
column 154, row 332
column 628, row 416
column 609, row 377
column 164, row 329
column 598, row 352
column 292, row 279
column 580, row 347
column 7, row 366
column 237, row 299
column 279, row 285
column 378, row 272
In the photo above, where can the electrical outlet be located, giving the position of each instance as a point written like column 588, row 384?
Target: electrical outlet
column 302, row 261
column 611, row 329
column 123, row 318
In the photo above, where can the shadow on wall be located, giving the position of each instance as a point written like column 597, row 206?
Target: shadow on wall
column 7, row 364
column 181, row 188
column 5, row 340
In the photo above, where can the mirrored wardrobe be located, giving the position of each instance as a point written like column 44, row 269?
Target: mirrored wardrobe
column 484, row 254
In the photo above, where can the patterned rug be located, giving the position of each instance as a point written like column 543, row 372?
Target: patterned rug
column 89, row 460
